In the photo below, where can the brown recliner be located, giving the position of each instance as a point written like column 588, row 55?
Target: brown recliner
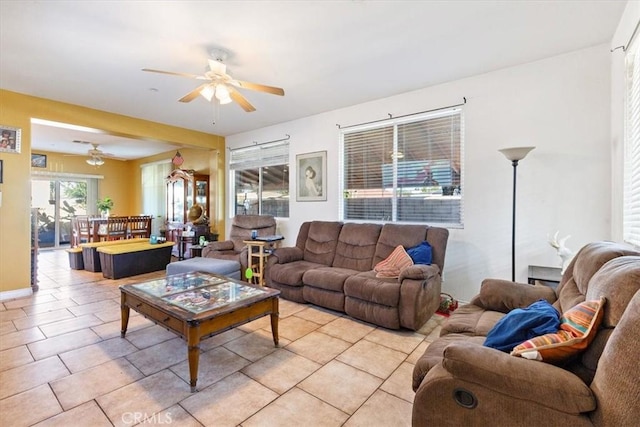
column 461, row 382
column 234, row 248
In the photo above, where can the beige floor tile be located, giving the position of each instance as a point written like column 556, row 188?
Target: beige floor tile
column 297, row 408
column 30, row 407
column 382, row 409
column 2, row 307
column 347, row 329
column 70, row 325
column 114, row 329
column 318, row 315
column 342, row 386
column 255, row 345
column 294, row 327
column 160, row 356
column 86, row 385
column 6, row 327
column 146, row 334
column 18, row 338
column 281, row 370
column 39, row 319
column 288, row 308
column 80, row 310
column 48, row 306
column 16, row 356
column 8, row 315
column 229, row 402
column 318, row 347
column 218, row 340
column 174, row 416
column 213, row 366
column 25, row 377
column 87, row 414
column 373, row 358
column 404, row 341
column 62, row 343
column 148, row 396
column 261, row 323
column 399, row 383
column 95, row 297
column 37, row 298
column 97, row 354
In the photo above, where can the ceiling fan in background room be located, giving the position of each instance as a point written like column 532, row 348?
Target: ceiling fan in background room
column 221, row 85
column 96, row 156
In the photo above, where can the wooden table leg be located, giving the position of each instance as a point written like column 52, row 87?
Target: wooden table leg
column 193, row 352
column 124, row 310
column 274, row 321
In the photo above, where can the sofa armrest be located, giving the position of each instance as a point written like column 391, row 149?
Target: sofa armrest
column 504, row 295
column 288, row 254
column 519, row 378
column 419, row 272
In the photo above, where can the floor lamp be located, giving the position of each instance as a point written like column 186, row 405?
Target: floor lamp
column 515, row 155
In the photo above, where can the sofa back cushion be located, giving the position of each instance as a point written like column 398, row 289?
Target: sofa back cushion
column 356, row 246
column 322, row 239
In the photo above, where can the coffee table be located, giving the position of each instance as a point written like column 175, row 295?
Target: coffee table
column 197, row 305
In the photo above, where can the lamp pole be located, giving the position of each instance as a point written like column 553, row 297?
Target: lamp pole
column 515, row 155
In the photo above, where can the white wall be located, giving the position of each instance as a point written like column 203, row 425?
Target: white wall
column 561, row 105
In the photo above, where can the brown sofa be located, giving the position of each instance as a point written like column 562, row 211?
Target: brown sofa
column 332, row 266
column 458, row 381
column 234, row 249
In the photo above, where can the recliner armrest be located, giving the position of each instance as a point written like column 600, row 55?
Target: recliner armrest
column 504, row 295
column 287, row 254
column 529, row 380
column 419, row 272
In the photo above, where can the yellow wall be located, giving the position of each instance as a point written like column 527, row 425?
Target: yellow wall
column 17, row 110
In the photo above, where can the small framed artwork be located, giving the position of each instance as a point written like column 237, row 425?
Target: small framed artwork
column 10, row 142
column 312, row 177
column 38, row 161
column 0, row 171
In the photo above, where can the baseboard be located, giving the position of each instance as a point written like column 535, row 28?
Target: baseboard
column 16, row 293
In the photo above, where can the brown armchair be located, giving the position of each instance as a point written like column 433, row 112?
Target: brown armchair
column 234, row 249
column 458, row 381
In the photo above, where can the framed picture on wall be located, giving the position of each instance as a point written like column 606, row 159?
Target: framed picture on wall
column 38, row 161
column 10, row 142
column 312, row 177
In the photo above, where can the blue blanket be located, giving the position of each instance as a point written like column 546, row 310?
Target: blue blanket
column 522, row 324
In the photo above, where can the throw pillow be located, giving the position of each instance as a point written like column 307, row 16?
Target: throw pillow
column 578, row 328
column 393, row 264
column 421, row 254
column 521, row 324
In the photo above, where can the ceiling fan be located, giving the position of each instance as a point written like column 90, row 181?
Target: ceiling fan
column 220, row 84
column 96, row 156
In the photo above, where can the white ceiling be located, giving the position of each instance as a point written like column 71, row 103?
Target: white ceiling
column 325, row 54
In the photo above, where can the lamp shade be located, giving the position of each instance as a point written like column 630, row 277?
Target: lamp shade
column 95, row 161
column 516, row 153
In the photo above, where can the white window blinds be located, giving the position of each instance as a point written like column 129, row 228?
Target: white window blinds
column 631, row 197
column 276, row 153
column 404, row 170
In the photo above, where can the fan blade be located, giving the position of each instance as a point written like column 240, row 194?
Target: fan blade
column 171, row 73
column 255, row 86
column 241, row 100
column 193, row 94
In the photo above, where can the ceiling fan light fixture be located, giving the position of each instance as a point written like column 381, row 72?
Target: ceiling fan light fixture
column 222, row 94
column 95, row 161
column 207, row 92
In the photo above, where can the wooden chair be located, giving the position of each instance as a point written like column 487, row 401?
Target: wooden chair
column 140, row 226
column 116, row 228
column 81, row 232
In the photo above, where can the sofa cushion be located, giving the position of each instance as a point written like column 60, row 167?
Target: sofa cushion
column 421, row 253
column 365, row 286
column 320, row 246
column 522, row 324
column 391, row 266
column 329, row 278
column 578, row 327
column 393, row 235
column 470, row 319
column 356, row 246
column 291, row 273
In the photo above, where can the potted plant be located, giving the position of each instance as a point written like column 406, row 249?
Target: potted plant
column 105, row 205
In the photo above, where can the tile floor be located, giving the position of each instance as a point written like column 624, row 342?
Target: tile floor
column 62, row 362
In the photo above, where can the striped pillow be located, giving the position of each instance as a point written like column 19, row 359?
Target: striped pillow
column 578, row 327
column 393, row 264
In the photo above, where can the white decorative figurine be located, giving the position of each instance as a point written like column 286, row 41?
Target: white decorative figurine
column 564, row 253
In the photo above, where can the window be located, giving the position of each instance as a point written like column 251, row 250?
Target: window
column 260, row 180
column 154, row 191
column 404, row 170
column 631, row 196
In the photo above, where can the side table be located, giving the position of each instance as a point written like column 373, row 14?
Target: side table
column 549, row 276
column 196, row 251
column 258, row 250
